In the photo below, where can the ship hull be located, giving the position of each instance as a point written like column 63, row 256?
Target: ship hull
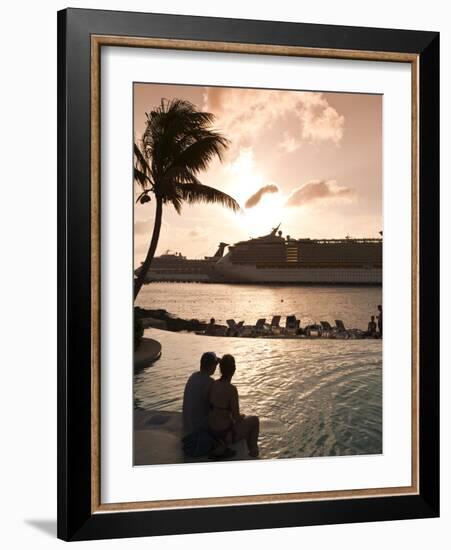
column 174, row 277
column 254, row 274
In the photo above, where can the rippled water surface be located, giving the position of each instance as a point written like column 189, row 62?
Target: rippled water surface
column 351, row 304
column 314, row 397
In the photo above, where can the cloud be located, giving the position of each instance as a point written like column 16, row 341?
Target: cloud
column 289, row 144
column 319, row 189
column 243, row 114
column 254, row 199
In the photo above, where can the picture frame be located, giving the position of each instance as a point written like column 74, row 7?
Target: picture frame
column 81, row 36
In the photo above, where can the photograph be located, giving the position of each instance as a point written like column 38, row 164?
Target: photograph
column 240, row 202
column 257, row 273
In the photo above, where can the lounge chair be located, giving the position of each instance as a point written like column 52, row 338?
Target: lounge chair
column 247, row 330
column 313, row 330
column 326, row 329
column 234, row 328
column 292, row 324
column 260, row 326
column 274, row 327
column 342, row 332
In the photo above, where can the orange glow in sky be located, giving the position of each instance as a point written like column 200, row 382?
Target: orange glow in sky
column 311, row 161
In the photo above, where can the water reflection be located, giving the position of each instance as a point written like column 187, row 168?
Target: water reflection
column 352, row 304
column 314, row 397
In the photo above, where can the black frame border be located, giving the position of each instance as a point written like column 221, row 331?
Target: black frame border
column 75, row 520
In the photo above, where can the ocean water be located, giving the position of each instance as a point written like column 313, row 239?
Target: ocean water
column 352, row 304
column 313, row 397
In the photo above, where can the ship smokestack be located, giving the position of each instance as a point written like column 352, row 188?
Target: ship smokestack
column 220, row 251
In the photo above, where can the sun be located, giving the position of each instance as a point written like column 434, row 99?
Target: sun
column 243, row 176
column 260, row 219
column 245, row 179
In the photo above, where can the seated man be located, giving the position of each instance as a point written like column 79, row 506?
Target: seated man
column 195, row 397
column 196, row 407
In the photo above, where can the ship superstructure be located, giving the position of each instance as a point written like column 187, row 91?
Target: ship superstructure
column 274, row 258
column 173, row 266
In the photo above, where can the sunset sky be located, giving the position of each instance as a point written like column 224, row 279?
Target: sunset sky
column 308, row 160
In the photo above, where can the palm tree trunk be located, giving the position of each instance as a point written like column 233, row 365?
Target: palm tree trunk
column 139, row 281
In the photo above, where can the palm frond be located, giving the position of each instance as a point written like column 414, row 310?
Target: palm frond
column 179, row 174
column 173, row 119
column 199, row 193
column 141, row 178
column 142, row 171
column 139, row 157
column 176, row 200
column 174, row 125
column 177, row 144
column 198, row 155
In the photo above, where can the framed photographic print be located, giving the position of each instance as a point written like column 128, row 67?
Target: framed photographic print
column 241, row 206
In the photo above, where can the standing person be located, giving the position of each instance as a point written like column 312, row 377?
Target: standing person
column 225, row 420
column 195, row 397
column 371, row 327
column 379, row 319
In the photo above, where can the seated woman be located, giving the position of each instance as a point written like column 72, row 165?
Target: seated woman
column 224, row 418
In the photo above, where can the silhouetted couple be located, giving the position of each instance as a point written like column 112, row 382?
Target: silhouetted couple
column 211, row 408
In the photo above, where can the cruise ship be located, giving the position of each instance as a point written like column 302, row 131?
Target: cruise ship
column 274, row 258
column 173, row 266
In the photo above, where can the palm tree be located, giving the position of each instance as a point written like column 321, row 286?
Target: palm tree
column 177, row 144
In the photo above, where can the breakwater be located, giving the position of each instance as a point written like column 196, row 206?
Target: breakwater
column 262, row 328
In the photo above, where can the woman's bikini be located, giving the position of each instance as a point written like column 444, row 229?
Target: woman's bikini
column 222, row 434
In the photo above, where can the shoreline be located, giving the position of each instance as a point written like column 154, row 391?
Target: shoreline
column 148, row 352
column 163, row 320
